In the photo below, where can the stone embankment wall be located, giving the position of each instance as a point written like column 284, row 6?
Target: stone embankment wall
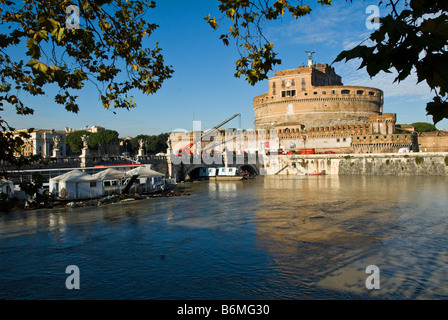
column 160, row 165
column 359, row 164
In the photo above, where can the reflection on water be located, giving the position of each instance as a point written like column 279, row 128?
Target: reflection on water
column 280, row 237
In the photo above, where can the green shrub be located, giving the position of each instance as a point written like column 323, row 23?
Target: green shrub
column 419, row 160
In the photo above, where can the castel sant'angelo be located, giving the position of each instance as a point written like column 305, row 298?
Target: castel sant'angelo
column 311, row 108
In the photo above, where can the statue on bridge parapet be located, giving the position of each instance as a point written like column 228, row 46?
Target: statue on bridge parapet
column 85, row 155
column 85, row 141
column 56, row 143
column 141, row 152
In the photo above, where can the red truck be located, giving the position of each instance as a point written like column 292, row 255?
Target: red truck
column 307, row 151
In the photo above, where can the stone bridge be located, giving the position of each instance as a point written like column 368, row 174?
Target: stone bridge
column 188, row 167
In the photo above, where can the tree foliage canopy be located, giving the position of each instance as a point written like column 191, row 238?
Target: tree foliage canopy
column 108, row 44
column 424, row 127
column 415, row 38
column 41, row 46
column 257, row 55
column 73, row 139
column 103, row 140
column 152, row 143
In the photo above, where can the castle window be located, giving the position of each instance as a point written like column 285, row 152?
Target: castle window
column 303, row 88
column 324, row 92
column 333, row 91
column 371, row 93
column 345, row 92
column 283, row 83
column 315, row 92
column 303, row 81
column 288, row 93
column 338, row 140
column 273, row 84
column 359, row 92
column 293, row 83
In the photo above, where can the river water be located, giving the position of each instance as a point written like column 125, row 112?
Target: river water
column 277, row 237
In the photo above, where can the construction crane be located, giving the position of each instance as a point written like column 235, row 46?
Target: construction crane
column 187, row 148
column 218, row 143
column 212, row 130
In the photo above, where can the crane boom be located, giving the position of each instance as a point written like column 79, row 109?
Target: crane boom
column 219, row 125
column 207, row 133
column 224, row 122
column 218, row 144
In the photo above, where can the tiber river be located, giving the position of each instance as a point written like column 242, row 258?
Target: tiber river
column 278, row 237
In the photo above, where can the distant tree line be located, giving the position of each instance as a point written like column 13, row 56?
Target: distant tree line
column 104, row 140
column 424, row 127
column 418, row 127
column 101, row 141
column 153, row 144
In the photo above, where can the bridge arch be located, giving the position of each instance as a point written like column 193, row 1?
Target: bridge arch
column 251, row 169
column 192, row 172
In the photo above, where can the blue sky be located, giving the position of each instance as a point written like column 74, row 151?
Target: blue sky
column 203, row 86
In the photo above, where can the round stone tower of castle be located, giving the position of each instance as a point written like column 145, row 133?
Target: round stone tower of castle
column 314, row 96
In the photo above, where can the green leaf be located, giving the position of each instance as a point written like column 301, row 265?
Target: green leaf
column 42, row 34
column 33, row 49
column 61, row 34
column 231, row 13
column 38, row 66
column 437, row 109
